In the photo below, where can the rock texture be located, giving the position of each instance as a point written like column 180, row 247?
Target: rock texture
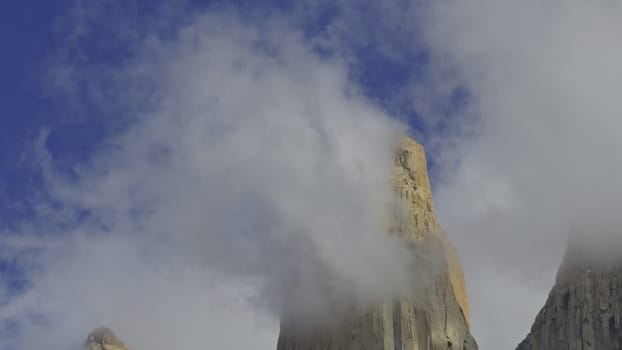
column 103, row 339
column 432, row 316
column 416, row 212
column 584, row 309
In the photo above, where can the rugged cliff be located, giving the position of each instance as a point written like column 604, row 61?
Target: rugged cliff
column 584, row 309
column 432, row 315
column 103, row 339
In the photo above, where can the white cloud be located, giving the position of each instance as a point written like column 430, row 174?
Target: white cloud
column 541, row 160
column 253, row 179
column 547, row 155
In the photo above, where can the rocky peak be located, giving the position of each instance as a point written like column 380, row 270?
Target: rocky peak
column 434, row 314
column 415, row 211
column 103, row 338
column 584, row 308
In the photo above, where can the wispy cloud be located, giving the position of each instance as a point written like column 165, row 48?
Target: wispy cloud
column 546, row 158
column 242, row 138
column 252, row 179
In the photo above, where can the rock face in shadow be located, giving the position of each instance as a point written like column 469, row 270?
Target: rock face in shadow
column 584, row 309
column 103, row 339
column 433, row 315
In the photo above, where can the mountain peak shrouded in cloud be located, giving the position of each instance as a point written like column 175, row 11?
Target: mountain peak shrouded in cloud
column 430, row 311
column 584, row 306
column 582, row 310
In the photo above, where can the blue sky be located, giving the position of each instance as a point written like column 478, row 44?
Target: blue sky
column 135, row 133
column 24, row 111
column 34, row 35
column 27, row 34
column 58, row 124
column 38, row 37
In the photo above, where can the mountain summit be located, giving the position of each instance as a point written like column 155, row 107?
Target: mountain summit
column 434, row 314
column 584, row 309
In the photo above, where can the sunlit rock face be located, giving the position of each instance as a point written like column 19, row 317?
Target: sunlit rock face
column 431, row 315
column 103, row 339
column 584, row 309
column 416, row 216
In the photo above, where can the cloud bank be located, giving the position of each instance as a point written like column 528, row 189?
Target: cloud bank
column 544, row 157
column 252, row 179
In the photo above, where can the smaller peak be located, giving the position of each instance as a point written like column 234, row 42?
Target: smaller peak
column 103, row 338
